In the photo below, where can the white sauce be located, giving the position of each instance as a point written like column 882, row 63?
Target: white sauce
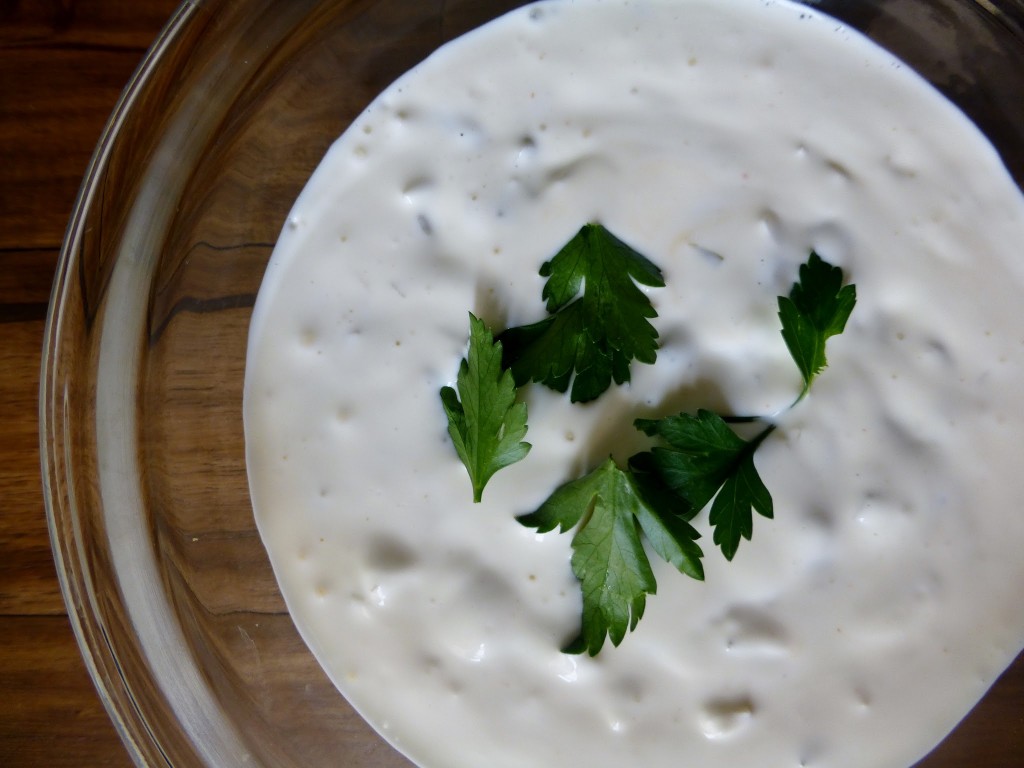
column 723, row 139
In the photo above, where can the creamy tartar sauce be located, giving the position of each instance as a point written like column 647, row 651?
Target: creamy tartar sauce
column 723, row 139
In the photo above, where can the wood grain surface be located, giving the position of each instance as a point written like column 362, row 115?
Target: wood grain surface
column 63, row 64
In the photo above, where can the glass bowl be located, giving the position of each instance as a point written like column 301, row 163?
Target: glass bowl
column 167, row 584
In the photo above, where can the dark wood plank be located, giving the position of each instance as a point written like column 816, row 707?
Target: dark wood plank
column 62, row 67
column 50, row 714
column 83, row 23
column 28, row 583
column 26, row 276
column 49, row 124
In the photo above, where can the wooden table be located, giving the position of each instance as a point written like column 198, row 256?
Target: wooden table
column 63, row 64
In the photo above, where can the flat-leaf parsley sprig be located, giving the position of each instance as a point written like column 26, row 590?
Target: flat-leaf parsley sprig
column 591, row 341
column 595, row 335
column 817, row 308
column 704, row 459
column 487, row 426
column 608, row 508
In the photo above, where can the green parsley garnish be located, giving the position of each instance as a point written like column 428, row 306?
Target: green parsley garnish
column 817, row 308
column 706, row 459
column 608, row 509
column 487, row 426
column 597, row 335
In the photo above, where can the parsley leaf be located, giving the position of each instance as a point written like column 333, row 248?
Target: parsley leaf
column 487, row 426
column 608, row 556
column 597, row 335
column 818, row 307
column 706, row 460
column 589, row 341
column 665, row 518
